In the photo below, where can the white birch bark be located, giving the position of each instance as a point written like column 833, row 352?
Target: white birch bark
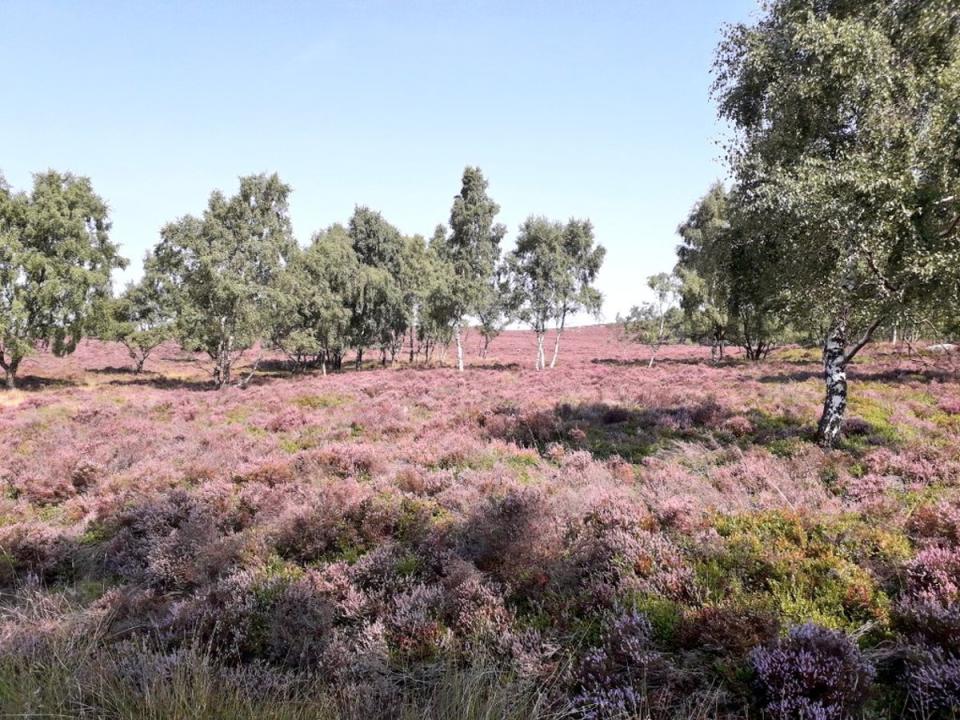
column 556, row 345
column 459, row 348
column 835, row 379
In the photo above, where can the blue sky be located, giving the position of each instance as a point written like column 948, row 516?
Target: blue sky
column 593, row 109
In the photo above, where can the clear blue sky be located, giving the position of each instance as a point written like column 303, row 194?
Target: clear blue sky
column 592, row 109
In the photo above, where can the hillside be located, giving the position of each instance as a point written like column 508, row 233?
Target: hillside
column 339, row 538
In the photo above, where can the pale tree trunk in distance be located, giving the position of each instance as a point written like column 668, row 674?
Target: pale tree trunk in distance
column 459, row 338
column 540, row 364
column 556, row 345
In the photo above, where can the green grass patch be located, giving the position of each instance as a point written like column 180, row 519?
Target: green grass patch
column 318, row 402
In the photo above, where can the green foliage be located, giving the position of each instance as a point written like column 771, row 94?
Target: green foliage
column 55, row 263
column 141, row 318
column 552, row 270
column 807, row 570
column 310, row 319
column 654, row 323
column 473, row 246
column 727, row 291
column 845, row 161
column 222, row 270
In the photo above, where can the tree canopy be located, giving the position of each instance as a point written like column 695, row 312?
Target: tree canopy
column 472, row 249
column 552, row 270
column 56, row 257
column 846, row 151
column 222, row 269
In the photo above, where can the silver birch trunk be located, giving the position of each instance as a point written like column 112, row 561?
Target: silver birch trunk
column 459, row 348
column 556, row 345
column 540, row 364
column 835, row 379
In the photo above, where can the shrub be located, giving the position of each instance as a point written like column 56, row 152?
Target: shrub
column 729, row 630
column 808, row 569
column 929, row 621
column 934, row 574
column 623, row 676
column 170, row 541
column 33, row 549
column 933, row 682
column 813, row 673
column 937, row 523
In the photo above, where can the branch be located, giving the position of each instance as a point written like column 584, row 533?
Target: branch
column 243, row 383
column 891, row 288
column 867, row 335
column 951, row 228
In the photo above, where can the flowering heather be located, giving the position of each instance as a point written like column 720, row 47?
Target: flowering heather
column 812, row 673
column 622, row 537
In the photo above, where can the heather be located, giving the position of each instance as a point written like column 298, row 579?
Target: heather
column 604, row 539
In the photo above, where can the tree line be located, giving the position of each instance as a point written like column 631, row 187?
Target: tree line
column 235, row 278
column 841, row 222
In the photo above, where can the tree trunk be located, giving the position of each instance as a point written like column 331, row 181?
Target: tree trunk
column 835, row 377
column 459, row 349
column 11, row 376
column 138, row 368
column 225, row 371
column 486, row 346
column 541, row 360
column 359, row 359
column 556, row 345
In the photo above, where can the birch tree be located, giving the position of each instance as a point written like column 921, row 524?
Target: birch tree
column 380, row 309
column 847, row 146
column 141, row 319
column 311, row 316
column 551, row 273
column 575, row 291
column 494, row 310
column 536, row 266
column 222, row 268
column 472, row 249
column 729, row 288
column 654, row 323
column 55, row 263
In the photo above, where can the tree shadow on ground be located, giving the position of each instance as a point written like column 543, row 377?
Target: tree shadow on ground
column 122, row 370
column 882, row 376
column 645, row 362
column 162, row 382
column 36, row 383
column 633, row 434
